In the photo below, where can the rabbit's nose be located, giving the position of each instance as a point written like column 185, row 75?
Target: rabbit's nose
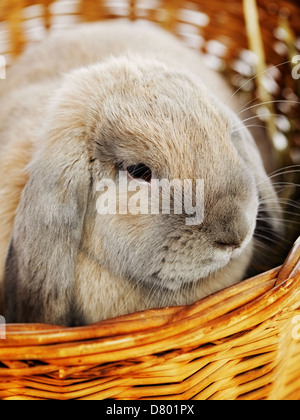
column 233, row 234
column 230, row 224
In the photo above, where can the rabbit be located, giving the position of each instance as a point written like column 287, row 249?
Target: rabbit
column 93, row 102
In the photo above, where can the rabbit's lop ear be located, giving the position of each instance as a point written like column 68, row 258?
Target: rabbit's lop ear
column 40, row 266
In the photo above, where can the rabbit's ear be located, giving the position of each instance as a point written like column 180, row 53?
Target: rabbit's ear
column 40, row 266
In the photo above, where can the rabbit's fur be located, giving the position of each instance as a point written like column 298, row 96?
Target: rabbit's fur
column 74, row 110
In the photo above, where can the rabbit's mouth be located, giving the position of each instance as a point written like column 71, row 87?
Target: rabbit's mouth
column 189, row 273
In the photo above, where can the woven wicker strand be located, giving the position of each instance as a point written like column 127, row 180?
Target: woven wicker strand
column 240, row 343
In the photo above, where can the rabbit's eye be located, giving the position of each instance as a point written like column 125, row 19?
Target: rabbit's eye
column 140, row 171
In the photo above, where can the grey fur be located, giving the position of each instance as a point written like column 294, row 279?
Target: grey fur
column 65, row 263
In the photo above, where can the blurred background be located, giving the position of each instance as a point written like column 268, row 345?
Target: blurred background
column 254, row 43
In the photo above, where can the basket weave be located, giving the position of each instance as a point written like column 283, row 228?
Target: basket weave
column 240, row 343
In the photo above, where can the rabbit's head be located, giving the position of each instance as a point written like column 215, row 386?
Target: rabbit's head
column 133, row 120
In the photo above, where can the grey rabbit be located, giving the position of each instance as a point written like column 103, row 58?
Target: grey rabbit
column 84, row 105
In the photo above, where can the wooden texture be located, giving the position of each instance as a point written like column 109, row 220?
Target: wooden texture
column 240, row 343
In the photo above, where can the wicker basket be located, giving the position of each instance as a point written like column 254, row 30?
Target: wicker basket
column 241, row 343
